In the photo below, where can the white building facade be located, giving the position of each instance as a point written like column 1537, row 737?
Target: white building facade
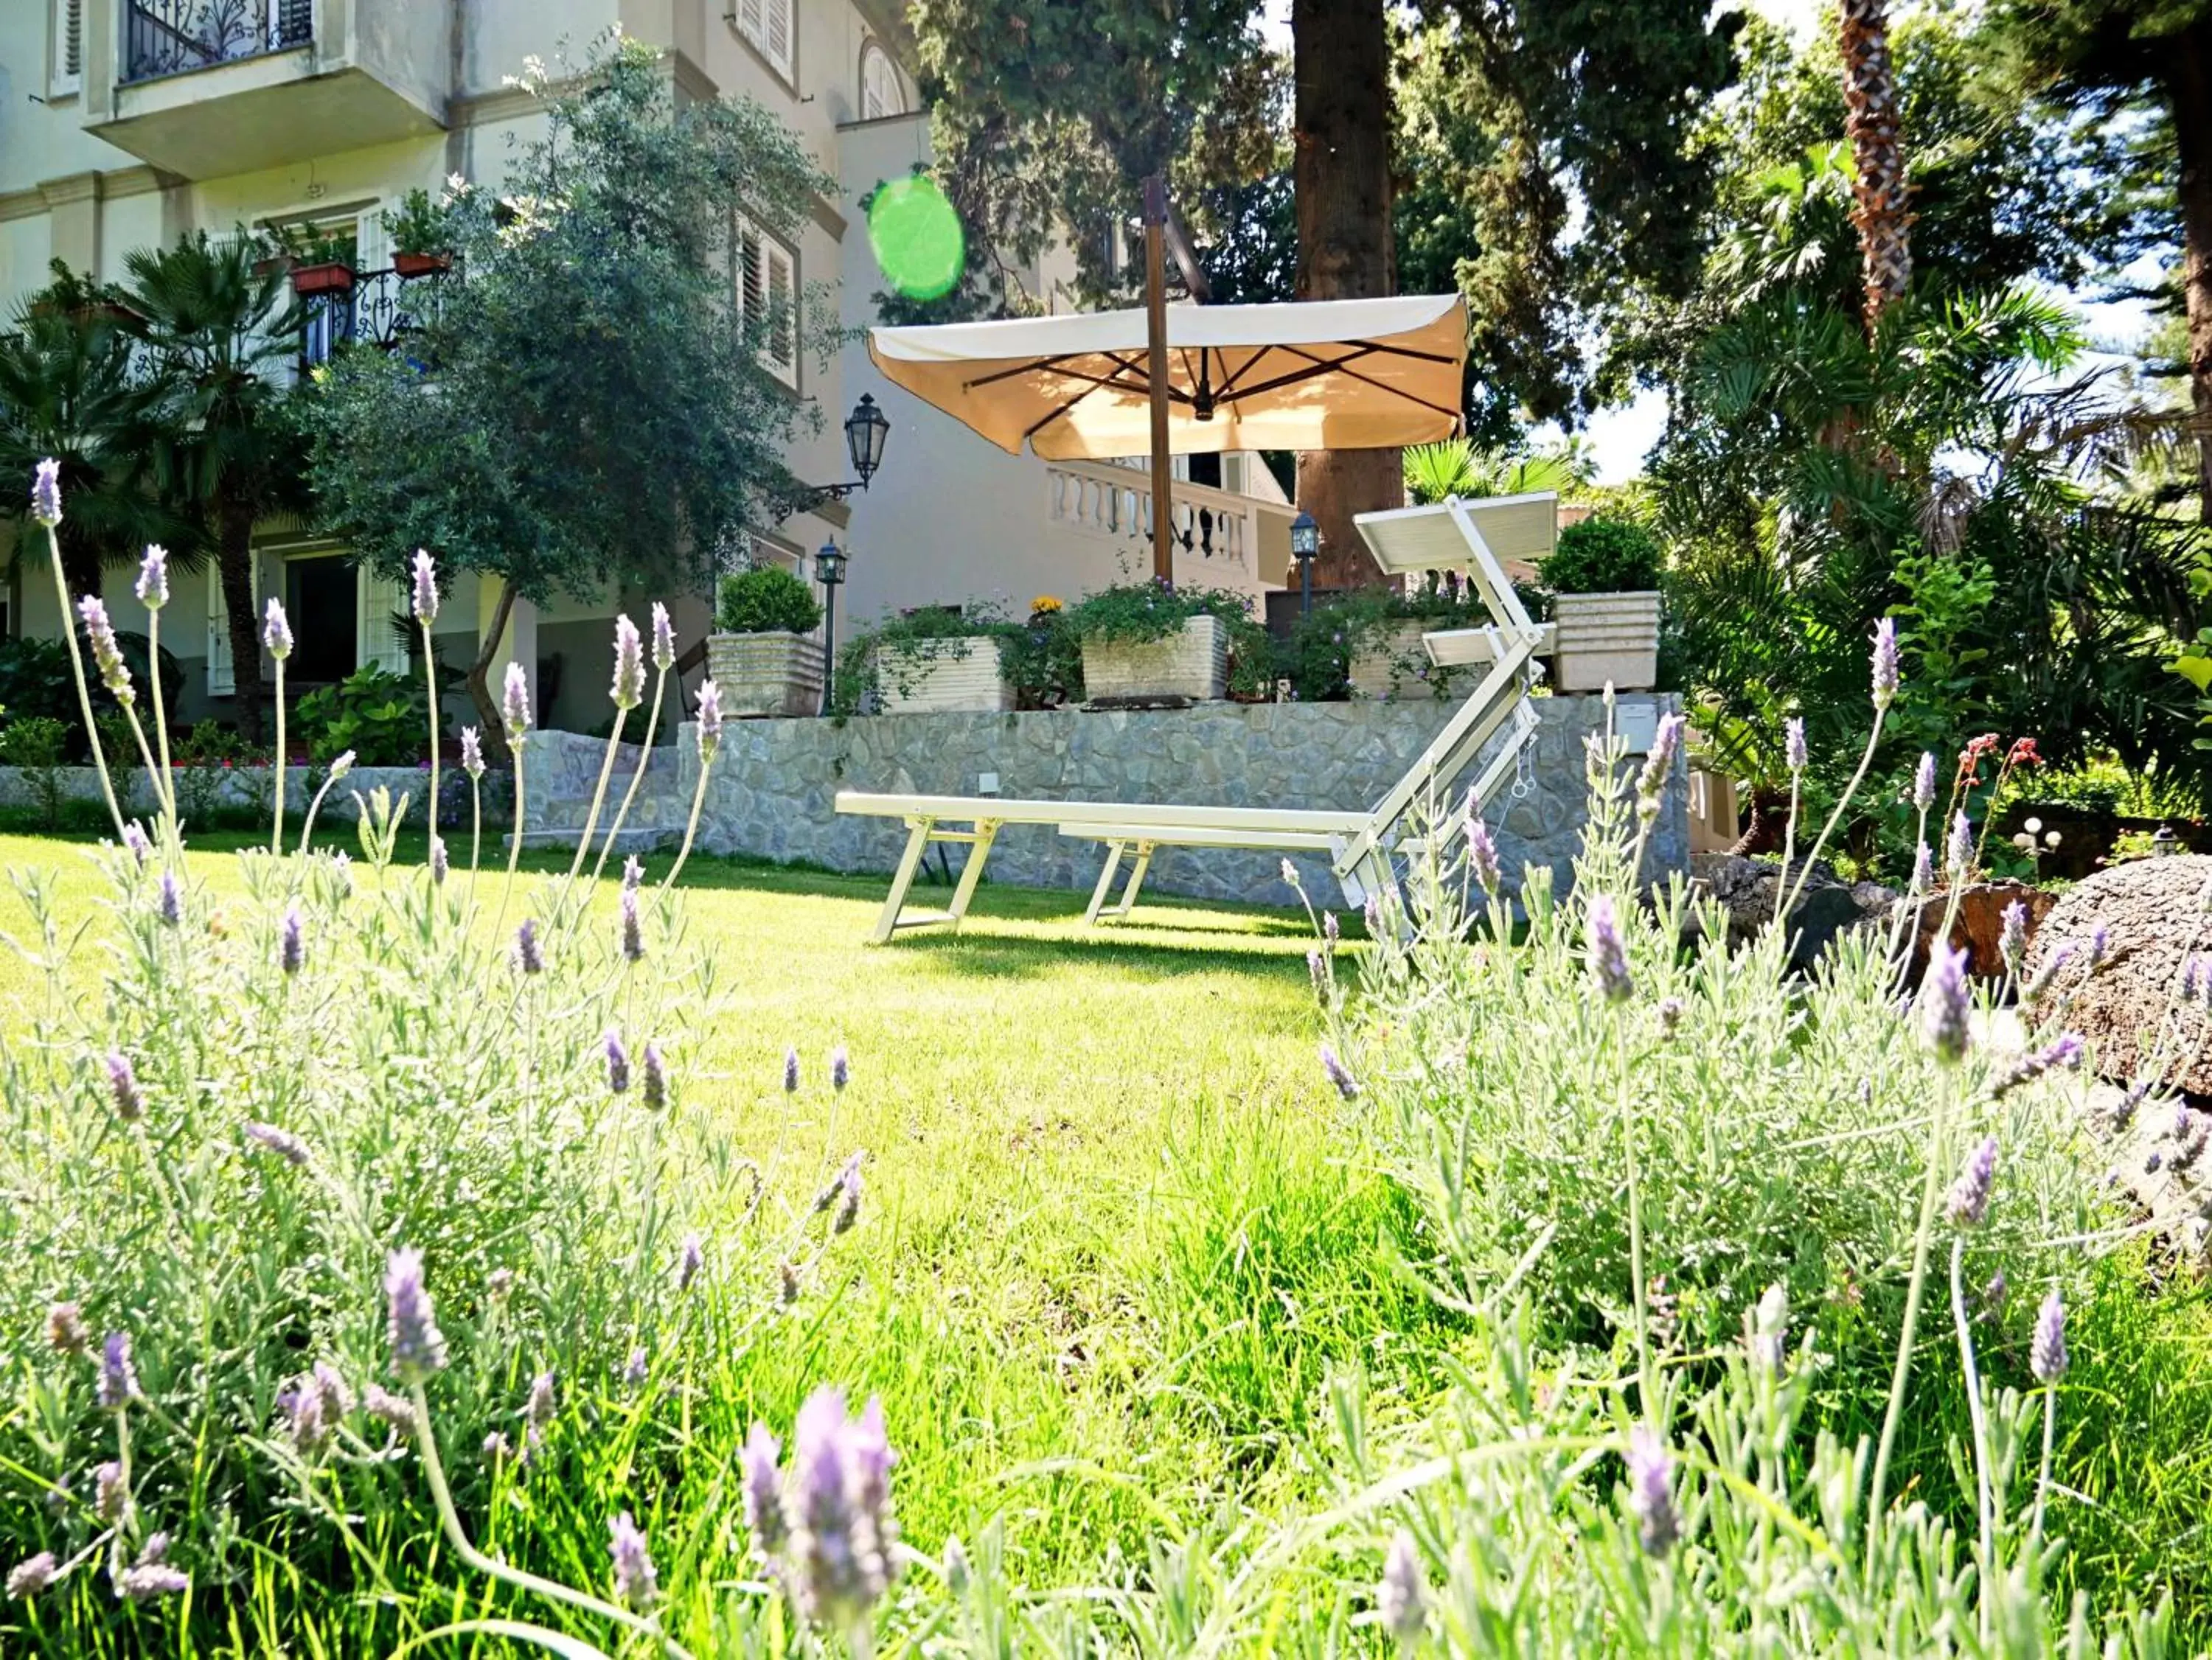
column 126, row 124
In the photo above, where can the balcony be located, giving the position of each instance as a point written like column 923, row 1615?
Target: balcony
column 383, row 309
column 207, row 89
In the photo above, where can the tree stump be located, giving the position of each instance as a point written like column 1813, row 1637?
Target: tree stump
column 2154, row 914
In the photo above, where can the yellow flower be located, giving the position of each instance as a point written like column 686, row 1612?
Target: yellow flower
column 1043, row 605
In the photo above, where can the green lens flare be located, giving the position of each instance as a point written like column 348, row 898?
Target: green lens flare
column 917, row 238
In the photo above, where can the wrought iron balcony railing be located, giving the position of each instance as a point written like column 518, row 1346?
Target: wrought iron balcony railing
column 382, row 309
column 169, row 37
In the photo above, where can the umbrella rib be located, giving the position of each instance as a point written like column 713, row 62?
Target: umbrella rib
column 1027, row 365
column 1229, row 392
column 1323, row 365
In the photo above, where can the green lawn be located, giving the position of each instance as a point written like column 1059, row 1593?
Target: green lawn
column 1112, row 1225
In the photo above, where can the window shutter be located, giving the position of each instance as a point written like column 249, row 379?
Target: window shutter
column 782, row 25
column 779, row 347
column 752, row 21
column 378, row 643
column 752, row 284
column 67, row 74
column 222, row 678
column 371, row 250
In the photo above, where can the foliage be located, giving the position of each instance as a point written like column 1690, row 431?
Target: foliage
column 421, row 224
column 1137, row 613
column 1040, row 657
column 1603, row 556
column 1317, row 655
column 1455, row 467
column 766, row 600
column 38, row 746
column 601, row 416
column 34, row 681
column 379, row 715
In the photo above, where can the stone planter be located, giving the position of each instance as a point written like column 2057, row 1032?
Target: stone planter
column 941, row 675
column 766, row 674
column 1379, row 668
column 1192, row 663
column 1607, row 638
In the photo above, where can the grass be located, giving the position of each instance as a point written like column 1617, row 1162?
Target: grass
column 1114, row 1240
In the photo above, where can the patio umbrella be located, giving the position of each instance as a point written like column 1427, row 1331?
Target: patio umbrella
column 1331, row 374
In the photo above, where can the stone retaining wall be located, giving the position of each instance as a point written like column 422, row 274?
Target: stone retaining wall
column 771, row 790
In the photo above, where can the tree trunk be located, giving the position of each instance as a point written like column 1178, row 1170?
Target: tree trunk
column 235, row 564
column 2188, row 59
column 1341, row 126
column 1763, row 830
column 492, row 722
column 1881, row 204
column 82, row 564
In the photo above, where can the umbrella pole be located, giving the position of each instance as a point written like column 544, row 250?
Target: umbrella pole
column 1156, row 344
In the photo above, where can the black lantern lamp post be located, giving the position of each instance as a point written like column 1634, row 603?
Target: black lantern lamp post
column 830, row 571
column 1306, row 545
column 865, row 429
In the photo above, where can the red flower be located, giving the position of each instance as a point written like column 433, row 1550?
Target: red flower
column 1970, row 758
column 2023, row 754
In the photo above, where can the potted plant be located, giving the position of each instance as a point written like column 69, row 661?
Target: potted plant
column 421, row 233
column 762, row 654
column 1385, row 658
column 322, row 261
column 1604, row 580
column 935, row 659
column 1149, row 642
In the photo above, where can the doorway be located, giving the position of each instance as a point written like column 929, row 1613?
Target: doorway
column 323, row 597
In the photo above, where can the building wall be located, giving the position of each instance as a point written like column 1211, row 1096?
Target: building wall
column 771, row 792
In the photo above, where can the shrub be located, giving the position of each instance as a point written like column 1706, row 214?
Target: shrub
column 381, row 716
column 1603, row 556
column 37, row 746
column 765, row 600
column 1039, row 658
column 1137, row 613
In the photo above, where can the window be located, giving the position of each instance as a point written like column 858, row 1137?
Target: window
column 880, row 92
column 771, row 26
column 379, row 608
column 768, row 288
column 65, row 72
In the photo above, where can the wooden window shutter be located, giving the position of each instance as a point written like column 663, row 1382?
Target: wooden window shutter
column 780, row 349
column 67, row 72
column 783, row 26
column 379, row 642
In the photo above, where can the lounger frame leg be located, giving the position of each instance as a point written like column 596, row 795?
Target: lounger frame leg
column 1136, row 881
column 917, row 844
column 1105, row 882
column 987, row 830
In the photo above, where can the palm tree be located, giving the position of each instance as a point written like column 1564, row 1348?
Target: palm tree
column 222, row 330
column 71, row 390
column 1881, row 210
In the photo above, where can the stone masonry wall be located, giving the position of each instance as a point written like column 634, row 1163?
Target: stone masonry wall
column 772, row 787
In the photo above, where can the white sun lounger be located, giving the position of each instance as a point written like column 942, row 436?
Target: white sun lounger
column 1453, row 535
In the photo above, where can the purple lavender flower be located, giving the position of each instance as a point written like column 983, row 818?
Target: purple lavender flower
column 441, row 861
column 1290, row 873
column 47, row 493
column 1961, row 855
column 118, row 1377
column 285, row 1144
column 2012, row 935
column 122, row 1088
column 1923, row 870
column 848, row 1190
column 1401, row 1599
column 300, row 1404
column 1770, row 1329
column 499, row 1284
column 291, row 941
column 1943, row 1000
column 638, row 1368
column 710, row 721
column 2061, row 1054
column 527, row 956
column 628, row 689
column 841, row 1067
column 631, row 926
column 2046, row 1350
column 1651, row 1491
column 764, row 1488
column 111, row 1496
column 1482, row 856
column 654, row 1092
column 542, row 1404
column 1329, row 930
column 690, row 1258
column 1317, row 972
column 135, row 845
column 663, row 638
column 1333, row 1069
column 839, row 1562
column 1970, row 1194
column 107, row 654
column 790, row 1071
column 65, row 1330
column 31, row 1575
column 341, row 764
column 472, row 752
column 1670, row 1014
column 1651, row 782
column 617, row 1063
column 514, row 704
column 1608, row 956
column 1885, row 663
column 418, row 1348
column 426, row 587
column 276, row 632
column 787, row 1282
column 152, row 585
column 395, row 1411
column 1993, row 1295
column 331, row 1384
column 2100, row 940
column 1923, row 782
column 143, row 1581
column 632, row 876
column 496, row 1449
column 1793, row 744
column 636, row 1584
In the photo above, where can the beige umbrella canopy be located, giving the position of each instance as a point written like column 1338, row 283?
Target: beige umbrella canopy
column 1331, row 374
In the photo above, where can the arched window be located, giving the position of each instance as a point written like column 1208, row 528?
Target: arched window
column 880, row 92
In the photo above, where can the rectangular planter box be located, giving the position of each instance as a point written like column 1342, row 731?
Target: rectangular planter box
column 1388, row 664
column 765, row 675
column 1607, row 638
column 943, row 676
column 1194, row 664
